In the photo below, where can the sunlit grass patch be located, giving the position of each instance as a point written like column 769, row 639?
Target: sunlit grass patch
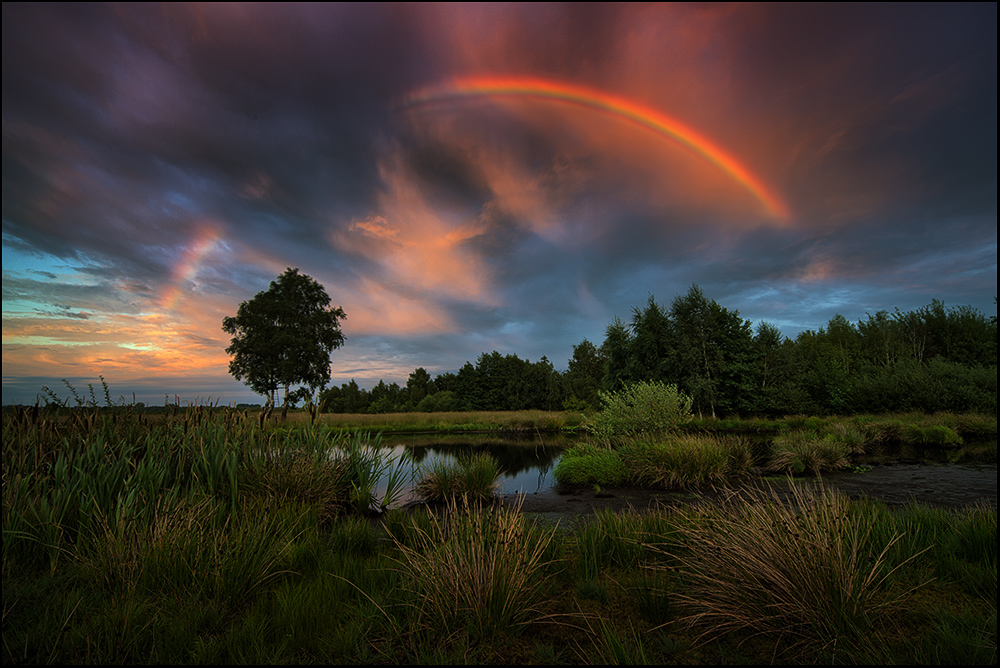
column 588, row 464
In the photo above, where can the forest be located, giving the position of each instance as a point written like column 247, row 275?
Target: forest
column 934, row 358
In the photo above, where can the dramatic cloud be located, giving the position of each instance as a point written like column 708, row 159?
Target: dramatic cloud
column 471, row 177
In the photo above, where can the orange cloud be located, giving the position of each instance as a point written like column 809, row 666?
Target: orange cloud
column 422, row 255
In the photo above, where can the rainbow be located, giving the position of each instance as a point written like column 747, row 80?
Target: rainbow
column 188, row 264
column 619, row 107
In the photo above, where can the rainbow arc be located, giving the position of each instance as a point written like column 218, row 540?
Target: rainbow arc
column 622, row 108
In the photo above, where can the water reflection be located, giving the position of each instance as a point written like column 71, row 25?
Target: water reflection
column 526, row 463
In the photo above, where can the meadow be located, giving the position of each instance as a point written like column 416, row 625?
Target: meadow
column 213, row 535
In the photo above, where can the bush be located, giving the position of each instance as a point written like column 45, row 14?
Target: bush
column 644, row 408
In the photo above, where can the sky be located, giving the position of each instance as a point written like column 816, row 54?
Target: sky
column 464, row 178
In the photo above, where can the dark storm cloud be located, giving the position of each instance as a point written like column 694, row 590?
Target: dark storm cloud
column 149, row 117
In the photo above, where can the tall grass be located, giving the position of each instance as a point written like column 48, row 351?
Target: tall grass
column 481, row 569
column 805, row 571
column 475, row 476
column 687, row 461
column 675, row 462
column 208, row 535
column 807, row 452
column 81, row 472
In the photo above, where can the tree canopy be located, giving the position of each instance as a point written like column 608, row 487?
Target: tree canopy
column 284, row 336
column 931, row 359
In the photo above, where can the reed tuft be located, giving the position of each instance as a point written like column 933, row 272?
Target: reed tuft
column 477, row 568
column 805, row 571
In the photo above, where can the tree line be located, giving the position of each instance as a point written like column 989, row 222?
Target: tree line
column 931, row 359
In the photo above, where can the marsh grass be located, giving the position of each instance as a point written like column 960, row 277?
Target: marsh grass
column 807, row 452
column 208, row 535
column 589, row 464
column 806, row 571
column 474, row 476
column 481, row 569
column 193, row 548
column 673, row 462
column 687, row 461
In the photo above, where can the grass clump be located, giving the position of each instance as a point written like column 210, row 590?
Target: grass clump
column 687, row 462
column 682, row 462
column 477, row 568
column 588, row 464
column 474, row 476
column 805, row 452
column 805, row 571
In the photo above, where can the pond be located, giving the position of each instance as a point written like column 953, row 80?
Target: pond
column 526, row 463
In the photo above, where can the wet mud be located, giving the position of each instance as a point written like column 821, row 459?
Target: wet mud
column 940, row 485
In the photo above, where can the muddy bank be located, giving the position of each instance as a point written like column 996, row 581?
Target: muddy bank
column 943, row 485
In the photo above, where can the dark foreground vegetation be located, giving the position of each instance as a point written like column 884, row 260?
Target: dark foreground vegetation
column 213, row 535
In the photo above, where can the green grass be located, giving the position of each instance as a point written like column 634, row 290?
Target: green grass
column 673, row 462
column 473, row 477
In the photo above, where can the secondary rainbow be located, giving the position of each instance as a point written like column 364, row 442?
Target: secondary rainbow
column 598, row 100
